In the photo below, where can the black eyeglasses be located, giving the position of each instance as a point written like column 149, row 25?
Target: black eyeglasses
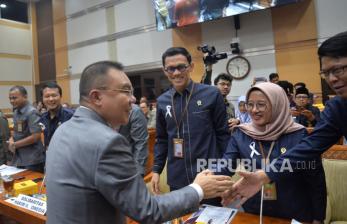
column 180, row 68
column 335, row 72
column 261, row 106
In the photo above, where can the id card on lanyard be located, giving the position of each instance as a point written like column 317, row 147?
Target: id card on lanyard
column 270, row 191
column 178, row 143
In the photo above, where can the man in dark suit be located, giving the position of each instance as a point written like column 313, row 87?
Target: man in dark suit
column 91, row 172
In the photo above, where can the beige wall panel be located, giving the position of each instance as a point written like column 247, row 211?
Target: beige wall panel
column 296, row 44
column 294, row 23
column 60, row 46
column 15, row 69
column 36, row 73
column 300, row 64
column 15, row 40
column 190, row 37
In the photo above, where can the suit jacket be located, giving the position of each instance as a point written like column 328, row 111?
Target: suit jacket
column 137, row 135
column 92, row 178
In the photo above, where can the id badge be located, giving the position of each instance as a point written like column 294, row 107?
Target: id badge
column 19, row 126
column 178, row 147
column 270, row 192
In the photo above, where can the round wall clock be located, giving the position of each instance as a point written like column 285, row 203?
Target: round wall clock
column 238, row 67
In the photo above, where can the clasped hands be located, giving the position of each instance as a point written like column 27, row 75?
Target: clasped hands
column 222, row 186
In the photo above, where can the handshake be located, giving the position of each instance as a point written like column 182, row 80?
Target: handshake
column 222, row 186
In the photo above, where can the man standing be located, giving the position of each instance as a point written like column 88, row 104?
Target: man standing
column 150, row 114
column 304, row 113
column 56, row 114
column 223, row 82
column 135, row 131
column 26, row 142
column 191, row 123
column 274, row 78
column 90, row 170
column 329, row 129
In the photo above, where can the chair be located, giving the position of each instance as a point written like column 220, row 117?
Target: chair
column 335, row 167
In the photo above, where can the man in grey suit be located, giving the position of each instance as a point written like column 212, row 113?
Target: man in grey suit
column 91, row 172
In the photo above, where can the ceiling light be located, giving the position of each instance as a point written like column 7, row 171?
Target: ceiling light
column 3, row 6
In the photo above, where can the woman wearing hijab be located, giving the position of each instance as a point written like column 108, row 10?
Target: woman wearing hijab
column 241, row 113
column 271, row 132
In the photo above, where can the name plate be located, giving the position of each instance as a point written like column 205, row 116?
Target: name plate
column 30, row 203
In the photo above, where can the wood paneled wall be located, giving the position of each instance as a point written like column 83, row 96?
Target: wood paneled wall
column 295, row 37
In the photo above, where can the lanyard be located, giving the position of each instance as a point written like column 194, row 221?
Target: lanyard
column 184, row 111
column 270, row 151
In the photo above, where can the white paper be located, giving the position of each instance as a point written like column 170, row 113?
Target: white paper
column 30, row 203
column 9, row 170
column 216, row 215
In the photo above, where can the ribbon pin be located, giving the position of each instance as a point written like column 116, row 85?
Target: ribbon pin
column 168, row 112
column 252, row 146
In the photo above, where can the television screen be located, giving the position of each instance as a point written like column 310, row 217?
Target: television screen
column 177, row 13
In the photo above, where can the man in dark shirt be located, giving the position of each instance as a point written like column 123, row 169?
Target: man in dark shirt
column 303, row 112
column 56, row 114
column 191, row 123
column 331, row 127
column 26, row 142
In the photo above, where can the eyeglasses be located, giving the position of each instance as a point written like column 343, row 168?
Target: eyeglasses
column 129, row 92
column 301, row 97
column 180, row 68
column 228, row 84
column 261, row 106
column 335, row 72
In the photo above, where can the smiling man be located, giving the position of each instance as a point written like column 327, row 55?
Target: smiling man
column 90, row 170
column 329, row 129
column 191, row 123
column 26, row 141
column 56, row 114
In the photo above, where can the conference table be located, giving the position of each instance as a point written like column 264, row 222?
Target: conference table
column 25, row 216
column 19, row 214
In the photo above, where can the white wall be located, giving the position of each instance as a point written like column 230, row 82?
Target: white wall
column 74, row 85
column 331, row 17
column 16, row 42
column 134, row 14
column 5, row 102
column 255, row 34
column 73, row 6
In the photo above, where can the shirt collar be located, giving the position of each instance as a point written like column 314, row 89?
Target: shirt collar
column 188, row 88
column 57, row 115
column 23, row 109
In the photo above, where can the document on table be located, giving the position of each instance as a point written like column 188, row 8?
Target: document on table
column 9, row 170
column 216, row 215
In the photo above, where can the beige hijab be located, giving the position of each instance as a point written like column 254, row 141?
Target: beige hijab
column 281, row 119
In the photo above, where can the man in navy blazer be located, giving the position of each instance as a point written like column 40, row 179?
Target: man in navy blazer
column 91, row 171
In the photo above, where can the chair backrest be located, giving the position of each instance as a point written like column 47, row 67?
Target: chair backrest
column 336, row 180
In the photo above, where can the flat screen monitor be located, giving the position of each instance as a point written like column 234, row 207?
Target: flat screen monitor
column 178, row 13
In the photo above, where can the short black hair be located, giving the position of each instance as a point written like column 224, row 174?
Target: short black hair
column 334, row 47
column 299, row 84
column 172, row 51
column 21, row 89
column 273, row 75
column 95, row 75
column 287, row 86
column 51, row 85
column 302, row 90
column 223, row 76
